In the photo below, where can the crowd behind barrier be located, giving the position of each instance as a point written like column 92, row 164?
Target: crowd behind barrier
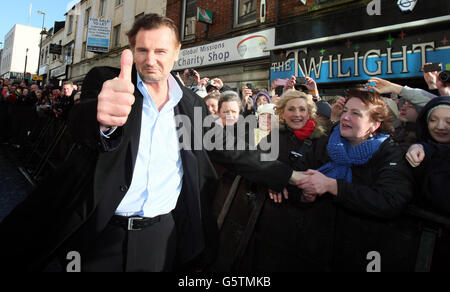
column 33, row 123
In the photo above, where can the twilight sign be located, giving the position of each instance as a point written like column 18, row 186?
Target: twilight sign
column 405, row 62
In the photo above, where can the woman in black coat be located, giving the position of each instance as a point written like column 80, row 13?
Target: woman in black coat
column 282, row 239
column 431, row 158
column 364, row 180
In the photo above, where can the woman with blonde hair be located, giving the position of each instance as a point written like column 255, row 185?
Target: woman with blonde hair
column 276, row 234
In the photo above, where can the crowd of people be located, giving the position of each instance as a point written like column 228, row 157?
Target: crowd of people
column 22, row 105
column 132, row 199
column 366, row 156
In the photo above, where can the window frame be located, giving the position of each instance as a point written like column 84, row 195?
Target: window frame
column 236, row 14
column 184, row 22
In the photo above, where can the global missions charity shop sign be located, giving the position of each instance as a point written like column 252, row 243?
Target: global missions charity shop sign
column 250, row 46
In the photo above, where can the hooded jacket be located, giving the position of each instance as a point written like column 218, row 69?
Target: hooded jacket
column 434, row 171
column 255, row 100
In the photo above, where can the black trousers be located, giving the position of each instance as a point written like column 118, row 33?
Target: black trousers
column 118, row 250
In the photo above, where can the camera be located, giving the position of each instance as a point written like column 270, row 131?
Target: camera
column 191, row 72
column 300, row 81
column 445, row 76
column 432, row 67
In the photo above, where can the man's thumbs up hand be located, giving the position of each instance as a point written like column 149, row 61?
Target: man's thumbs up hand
column 117, row 96
column 126, row 65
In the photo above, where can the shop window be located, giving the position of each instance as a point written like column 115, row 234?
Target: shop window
column 244, row 12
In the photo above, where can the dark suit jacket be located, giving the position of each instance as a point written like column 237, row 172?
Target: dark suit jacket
column 71, row 209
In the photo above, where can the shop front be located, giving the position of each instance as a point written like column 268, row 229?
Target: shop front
column 58, row 75
column 366, row 47
column 237, row 61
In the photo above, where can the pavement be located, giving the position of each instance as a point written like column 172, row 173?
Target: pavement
column 14, row 188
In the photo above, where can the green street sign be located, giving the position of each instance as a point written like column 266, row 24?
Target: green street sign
column 205, row 16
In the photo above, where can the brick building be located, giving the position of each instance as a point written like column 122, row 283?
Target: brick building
column 339, row 43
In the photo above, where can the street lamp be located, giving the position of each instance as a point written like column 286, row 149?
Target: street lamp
column 43, row 32
column 25, row 69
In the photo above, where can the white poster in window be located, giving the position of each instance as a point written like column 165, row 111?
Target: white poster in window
column 99, row 35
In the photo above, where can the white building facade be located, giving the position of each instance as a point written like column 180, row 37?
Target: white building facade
column 121, row 13
column 21, row 46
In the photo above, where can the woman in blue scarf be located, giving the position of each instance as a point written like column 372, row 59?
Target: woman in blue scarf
column 363, row 175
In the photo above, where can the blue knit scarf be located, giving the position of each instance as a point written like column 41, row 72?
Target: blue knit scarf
column 343, row 155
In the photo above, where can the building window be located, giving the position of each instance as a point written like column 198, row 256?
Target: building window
column 68, row 54
column 70, row 24
column 139, row 16
column 189, row 19
column 102, row 8
column 118, row 2
column 87, row 16
column 83, row 51
column 244, row 12
column 116, row 40
column 324, row 1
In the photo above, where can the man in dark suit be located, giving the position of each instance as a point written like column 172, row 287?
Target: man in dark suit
column 137, row 200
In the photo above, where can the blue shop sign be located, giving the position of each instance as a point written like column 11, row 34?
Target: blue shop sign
column 404, row 61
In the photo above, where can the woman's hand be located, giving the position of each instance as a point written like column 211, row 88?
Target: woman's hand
column 203, row 82
column 219, row 83
column 290, row 84
column 247, row 100
column 337, row 110
column 318, row 184
column 278, row 197
column 415, row 155
column 311, row 85
column 384, row 86
column 431, row 78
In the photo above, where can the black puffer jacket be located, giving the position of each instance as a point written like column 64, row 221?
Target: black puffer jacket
column 366, row 213
column 434, row 172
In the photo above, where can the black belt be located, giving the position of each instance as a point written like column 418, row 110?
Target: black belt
column 135, row 223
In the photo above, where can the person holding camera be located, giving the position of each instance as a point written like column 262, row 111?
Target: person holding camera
column 436, row 79
column 247, row 100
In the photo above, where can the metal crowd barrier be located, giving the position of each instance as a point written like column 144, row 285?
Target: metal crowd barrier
column 50, row 149
column 431, row 226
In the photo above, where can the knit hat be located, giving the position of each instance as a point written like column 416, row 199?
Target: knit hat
column 266, row 109
column 324, row 109
column 392, row 106
column 423, row 133
column 435, row 108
